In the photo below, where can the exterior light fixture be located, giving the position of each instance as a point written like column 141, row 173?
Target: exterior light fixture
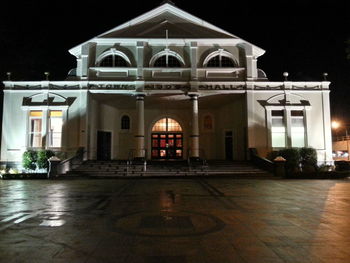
column 325, row 75
column 285, row 75
column 47, row 74
column 8, row 75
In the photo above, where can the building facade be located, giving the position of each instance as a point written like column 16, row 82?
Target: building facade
column 165, row 85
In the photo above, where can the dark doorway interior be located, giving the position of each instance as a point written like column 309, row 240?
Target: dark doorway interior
column 228, row 145
column 104, row 141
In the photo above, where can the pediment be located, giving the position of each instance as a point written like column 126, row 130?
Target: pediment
column 155, row 27
column 167, row 17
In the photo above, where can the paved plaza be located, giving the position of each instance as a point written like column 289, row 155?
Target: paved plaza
column 175, row 220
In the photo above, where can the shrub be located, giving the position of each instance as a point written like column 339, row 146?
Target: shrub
column 42, row 158
column 29, row 160
column 292, row 156
column 342, row 166
column 308, row 157
column 272, row 155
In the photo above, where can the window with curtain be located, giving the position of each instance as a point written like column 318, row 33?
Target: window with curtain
column 297, row 128
column 278, row 129
column 35, row 129
column 55, row 128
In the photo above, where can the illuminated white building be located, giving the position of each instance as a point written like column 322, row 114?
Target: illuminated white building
column 165, row 85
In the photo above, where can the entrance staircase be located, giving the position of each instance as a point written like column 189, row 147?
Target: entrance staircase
column 110, row 169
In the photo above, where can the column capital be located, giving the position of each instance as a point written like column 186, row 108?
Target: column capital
column 193, row 96
column 140, row 96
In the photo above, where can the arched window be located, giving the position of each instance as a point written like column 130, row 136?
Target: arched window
column 113, row 61
column 167, row 61
column 167, row 125
column 208, row 122
column 220, row 59
column 220, row 62
column 125, row 123
column 113, row 58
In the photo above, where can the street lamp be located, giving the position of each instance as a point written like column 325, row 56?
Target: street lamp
column 335, row 125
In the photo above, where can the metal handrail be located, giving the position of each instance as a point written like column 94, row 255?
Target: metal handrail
column 202, row 156
column 131, row 157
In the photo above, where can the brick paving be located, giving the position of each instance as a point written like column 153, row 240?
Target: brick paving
column 173, row 220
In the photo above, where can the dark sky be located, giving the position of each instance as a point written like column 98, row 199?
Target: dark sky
column 305, row 38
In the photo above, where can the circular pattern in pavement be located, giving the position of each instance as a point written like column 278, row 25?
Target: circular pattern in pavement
column 166, row 223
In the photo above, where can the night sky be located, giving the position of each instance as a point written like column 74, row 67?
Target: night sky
column 305, row 38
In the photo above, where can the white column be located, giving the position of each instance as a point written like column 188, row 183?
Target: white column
column 194, row 153
column 251, row 124
column 93, row 126
column 327, row 124
column 140, row 131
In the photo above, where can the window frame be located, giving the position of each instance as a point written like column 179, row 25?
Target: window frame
column 30, row 133
column 113, row 52
column 45, row 124
column 166, row 52
column 121, row 123
column 220, row 53
column 49, row 132
column 288, row 124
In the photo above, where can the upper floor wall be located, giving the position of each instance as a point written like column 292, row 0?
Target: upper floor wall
column 167, row 43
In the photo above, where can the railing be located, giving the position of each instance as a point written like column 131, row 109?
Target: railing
column 72, row 162
column 201, row 160
column 132, row 160
column 341, row 138
column 261, row 162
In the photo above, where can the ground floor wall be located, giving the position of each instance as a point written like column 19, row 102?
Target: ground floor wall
column 229, row 124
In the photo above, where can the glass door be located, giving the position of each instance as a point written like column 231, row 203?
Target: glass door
column 167, row 146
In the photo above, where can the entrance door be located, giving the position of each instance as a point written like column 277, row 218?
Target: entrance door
column 104, row 145
column 167, row 146
column 228, row 145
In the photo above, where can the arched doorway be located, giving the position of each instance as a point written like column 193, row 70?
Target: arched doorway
column 167, row 139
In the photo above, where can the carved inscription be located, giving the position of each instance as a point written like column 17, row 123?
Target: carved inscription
column 221, row 87
column 112, row 86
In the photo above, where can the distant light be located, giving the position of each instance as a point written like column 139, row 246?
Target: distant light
column 325, row 75
column 335, row 124
column 8, row 75
column 285, row 75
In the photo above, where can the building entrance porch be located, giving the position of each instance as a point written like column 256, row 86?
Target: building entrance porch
column 167, row 126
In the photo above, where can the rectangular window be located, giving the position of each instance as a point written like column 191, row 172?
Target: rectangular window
column 55, row 128
column 35, row 129
column 278, row 129
column 297, row 129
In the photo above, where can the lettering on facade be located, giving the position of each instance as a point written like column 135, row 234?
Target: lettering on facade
column 112, row 86
column 166, row 87
column 221, row 87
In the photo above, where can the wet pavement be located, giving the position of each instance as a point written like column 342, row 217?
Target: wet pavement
column 175, row 220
